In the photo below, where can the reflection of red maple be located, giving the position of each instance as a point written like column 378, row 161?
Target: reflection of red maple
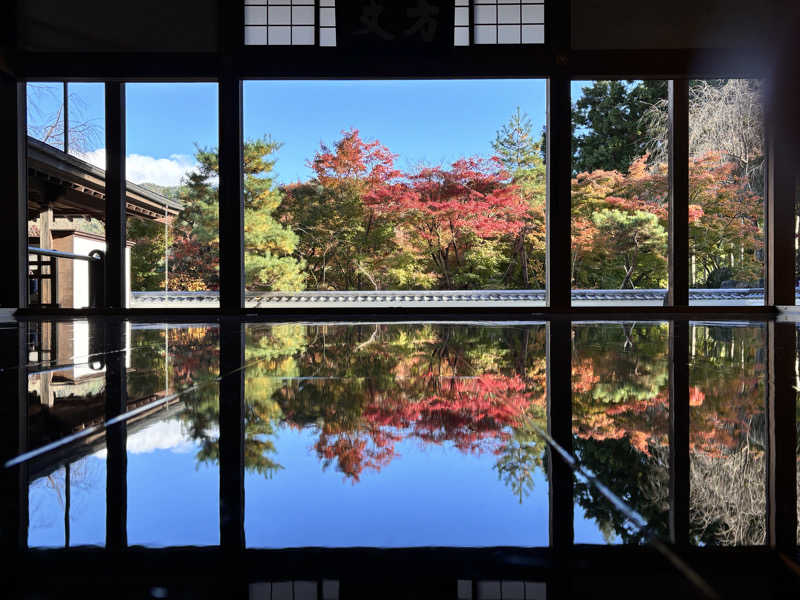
column 475, row 414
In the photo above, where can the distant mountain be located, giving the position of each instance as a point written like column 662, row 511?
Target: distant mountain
column 168, row 191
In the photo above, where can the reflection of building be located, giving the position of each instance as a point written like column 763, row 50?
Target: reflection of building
column 65, row 193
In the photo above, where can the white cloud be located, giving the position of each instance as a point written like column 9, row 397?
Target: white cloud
column 161, row 435
column 148, row 169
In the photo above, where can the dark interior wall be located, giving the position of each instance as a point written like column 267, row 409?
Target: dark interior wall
column 191, row 25
column 119, row 25
column 640, row 24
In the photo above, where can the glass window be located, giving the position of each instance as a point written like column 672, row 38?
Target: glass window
column 620, row 200
column 173, row 213
column 66, row 189
column 290, row 23
column 398, row 197
column 726, row 192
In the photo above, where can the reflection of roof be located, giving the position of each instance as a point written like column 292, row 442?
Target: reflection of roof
column 76, row 188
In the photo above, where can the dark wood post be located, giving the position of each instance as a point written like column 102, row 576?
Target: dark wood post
column 116, row 232
column 780, row 189
column 13, row 166
column 678, row 294
column 231, row 197
column 559, row 200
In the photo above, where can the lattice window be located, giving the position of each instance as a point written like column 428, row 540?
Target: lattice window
column 290, row 23
column 499, row 22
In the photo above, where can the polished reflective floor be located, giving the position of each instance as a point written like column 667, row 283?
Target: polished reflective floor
column 494, row 460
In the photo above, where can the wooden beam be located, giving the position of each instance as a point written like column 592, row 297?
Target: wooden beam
column 115, row 214
column 13, row 173
column 678, row 255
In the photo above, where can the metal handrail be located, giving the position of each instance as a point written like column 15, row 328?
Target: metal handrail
column 60, row 254
column 96, row 260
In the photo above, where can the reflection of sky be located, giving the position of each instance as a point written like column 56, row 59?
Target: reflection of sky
column 87, row 505
column 428, row 495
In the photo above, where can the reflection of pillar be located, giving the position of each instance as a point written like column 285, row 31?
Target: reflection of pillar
column 67, row 484
column 116, row 438
column 13, row 440
column 46, row 394
column 231, row 435
column 559, row 425
column 679, row 432
column 781, row 437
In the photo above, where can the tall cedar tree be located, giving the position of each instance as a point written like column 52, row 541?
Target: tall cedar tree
column 521, row 155
column 608, row 132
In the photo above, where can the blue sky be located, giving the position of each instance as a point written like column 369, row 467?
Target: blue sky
column 431, row 121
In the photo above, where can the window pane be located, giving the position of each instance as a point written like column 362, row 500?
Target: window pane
column 173, row 232
column 444, row 198
column 66, row 191
column 726, row 192
column 620, row 204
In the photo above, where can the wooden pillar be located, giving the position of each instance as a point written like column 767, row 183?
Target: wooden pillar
column 231, row 436
column 116, row 233
column 231, row 197
column 679, row 432
column 13, row 173
column 781, row 437
column 559, row 200
column 780, row 189
column 678, row 294
column 559, row 426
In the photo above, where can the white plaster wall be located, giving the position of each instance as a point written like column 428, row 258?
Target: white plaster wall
column 80, row 296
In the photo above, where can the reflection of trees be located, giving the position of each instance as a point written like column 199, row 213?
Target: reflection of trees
column 438, row 384
column 620, row 411
column 621, row 422
column 728, row 436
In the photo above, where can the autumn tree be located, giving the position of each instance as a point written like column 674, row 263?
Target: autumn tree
column 521, row 156
column 269, row 264
column 348, row 244
column 635, row 241
column 447, row 215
